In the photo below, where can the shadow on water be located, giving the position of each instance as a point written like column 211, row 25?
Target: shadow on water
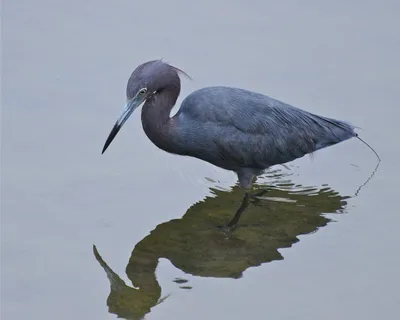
column 193, row 244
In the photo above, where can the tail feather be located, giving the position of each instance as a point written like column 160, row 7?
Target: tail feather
column 337, row 131
column 372, row 149
column 347, row 132
column 343, row 131
column 376, row 167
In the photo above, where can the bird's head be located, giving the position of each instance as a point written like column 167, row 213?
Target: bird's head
column 145, row 82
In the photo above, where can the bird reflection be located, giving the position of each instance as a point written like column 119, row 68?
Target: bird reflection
column 194, row 245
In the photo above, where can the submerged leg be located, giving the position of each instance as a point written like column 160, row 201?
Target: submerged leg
column 246, row 177
column 245, row 203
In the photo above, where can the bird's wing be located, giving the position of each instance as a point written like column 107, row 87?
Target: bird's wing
column 255, row 130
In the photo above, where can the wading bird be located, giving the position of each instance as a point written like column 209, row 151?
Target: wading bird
column 231, row 128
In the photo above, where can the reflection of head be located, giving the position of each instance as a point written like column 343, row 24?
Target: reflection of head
column 195, row 246
column 128, row 302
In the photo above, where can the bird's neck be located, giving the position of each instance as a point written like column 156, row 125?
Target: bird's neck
column 156, row 120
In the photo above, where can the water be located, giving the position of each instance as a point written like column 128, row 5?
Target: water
column 311, row 250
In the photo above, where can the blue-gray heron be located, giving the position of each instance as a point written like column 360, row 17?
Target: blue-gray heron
column 231, row 128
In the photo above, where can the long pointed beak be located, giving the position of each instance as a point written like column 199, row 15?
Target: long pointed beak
column 130, row 106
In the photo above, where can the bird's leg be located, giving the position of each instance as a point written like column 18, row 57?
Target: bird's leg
column 232, row 224
column 246, row 178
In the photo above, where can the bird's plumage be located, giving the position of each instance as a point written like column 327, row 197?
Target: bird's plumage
column 232, row 128
column 235, row 128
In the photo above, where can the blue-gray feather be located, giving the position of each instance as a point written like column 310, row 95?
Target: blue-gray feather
column 235, row 128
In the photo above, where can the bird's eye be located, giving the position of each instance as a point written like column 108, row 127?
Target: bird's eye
column 142, row 91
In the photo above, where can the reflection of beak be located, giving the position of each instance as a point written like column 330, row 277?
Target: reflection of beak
column 130, row 106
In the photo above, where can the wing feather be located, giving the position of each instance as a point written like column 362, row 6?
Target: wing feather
column 245, row 129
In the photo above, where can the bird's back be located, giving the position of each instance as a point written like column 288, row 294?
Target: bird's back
column 234, row 128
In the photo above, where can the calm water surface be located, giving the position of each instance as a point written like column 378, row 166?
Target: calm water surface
column 311, row 250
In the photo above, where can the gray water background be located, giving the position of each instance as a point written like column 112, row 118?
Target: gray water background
column 64, row 70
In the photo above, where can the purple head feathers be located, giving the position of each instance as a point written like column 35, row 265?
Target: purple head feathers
column 154, row 75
